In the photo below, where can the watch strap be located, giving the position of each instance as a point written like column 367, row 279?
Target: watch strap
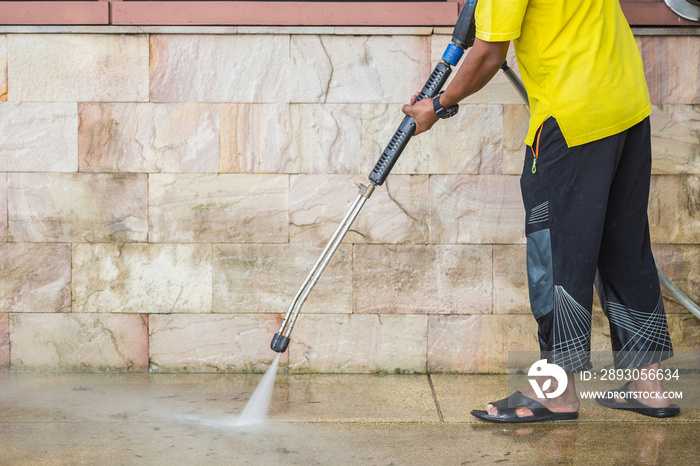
column 441, row 111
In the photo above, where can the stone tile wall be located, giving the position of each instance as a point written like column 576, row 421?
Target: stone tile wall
column 163, row 195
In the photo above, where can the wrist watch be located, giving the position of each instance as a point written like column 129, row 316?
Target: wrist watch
column 441, row 111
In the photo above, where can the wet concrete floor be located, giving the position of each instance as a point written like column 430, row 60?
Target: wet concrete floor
column 174, row 419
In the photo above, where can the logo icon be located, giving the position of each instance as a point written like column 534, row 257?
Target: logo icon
column 543, row 369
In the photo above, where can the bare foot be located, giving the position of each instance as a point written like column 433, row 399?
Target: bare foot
column 567, row 402
column 650, row 393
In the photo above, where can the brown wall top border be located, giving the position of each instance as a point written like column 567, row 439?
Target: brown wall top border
column 276, row 13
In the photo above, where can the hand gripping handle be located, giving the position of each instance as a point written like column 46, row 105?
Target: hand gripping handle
column 462, row 38
column 407, row 127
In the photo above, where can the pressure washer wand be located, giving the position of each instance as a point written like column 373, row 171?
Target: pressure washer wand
column 516, row 82
column 462, row 39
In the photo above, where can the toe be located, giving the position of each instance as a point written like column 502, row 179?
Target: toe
column 492, row 410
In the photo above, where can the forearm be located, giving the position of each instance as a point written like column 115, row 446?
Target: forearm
column 480, row 65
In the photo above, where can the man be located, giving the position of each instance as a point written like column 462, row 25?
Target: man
column 585, row 186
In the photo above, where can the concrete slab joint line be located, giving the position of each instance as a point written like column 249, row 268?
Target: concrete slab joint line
column 435, row 398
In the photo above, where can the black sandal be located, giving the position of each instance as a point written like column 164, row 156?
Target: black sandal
column 506, row 411
column 630, row 404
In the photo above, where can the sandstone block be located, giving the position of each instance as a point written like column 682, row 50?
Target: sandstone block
column 600, row 330
column 3, row 68
column 515, row 123
column 52, row 207
column 39, row 137
column 219, row 68
column 478, row 343
column 4, row 341
column 145, row 137
column 510, row 288
column 355, row 69
column 263, row 278
column 373, row 30
column 212, row 343
column 359, row 343
column 674, row 202
column 326, row 138
column 218, row 208
column 79, row 342
column 35, row 277
column 476, row 209
column 675, row 139
column 256, row 138
column 297, row 138
column 142, row 278
column 468, row 143
column 671, row 65
column 397, row 212
column 286, row 30
column 680, row 264
column 430, row 279
column 78, row 67
column 685, row 332
column 3, row 207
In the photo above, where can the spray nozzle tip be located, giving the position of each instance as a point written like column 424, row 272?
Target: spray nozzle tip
column 279, row 343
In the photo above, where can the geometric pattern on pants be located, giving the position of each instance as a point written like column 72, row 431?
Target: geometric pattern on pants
column 645, row 330
column 539, row 214
column 571, row 332
column 586, row 211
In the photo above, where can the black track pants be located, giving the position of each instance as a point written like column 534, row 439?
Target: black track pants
column 586, row 222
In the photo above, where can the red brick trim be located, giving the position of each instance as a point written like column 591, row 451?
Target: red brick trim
column 652, row 13
column 276, row 13
column 286, row 13
column 69, row 13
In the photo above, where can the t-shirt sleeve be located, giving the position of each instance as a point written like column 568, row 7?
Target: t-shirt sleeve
column 499, row 20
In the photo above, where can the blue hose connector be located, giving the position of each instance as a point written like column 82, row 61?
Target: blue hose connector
column 452, row 54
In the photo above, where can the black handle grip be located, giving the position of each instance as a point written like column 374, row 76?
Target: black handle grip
column 463, row 37
column 437, row 79
column 393, row 151
column 403, row 134
column 465, row 29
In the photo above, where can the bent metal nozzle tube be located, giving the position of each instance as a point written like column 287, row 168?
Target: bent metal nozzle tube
column 280, row 340
column 515, row 81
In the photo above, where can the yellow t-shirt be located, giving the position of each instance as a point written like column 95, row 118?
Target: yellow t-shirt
column 578, row 60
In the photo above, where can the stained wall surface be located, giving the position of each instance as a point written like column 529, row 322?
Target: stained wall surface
column 164, row 191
